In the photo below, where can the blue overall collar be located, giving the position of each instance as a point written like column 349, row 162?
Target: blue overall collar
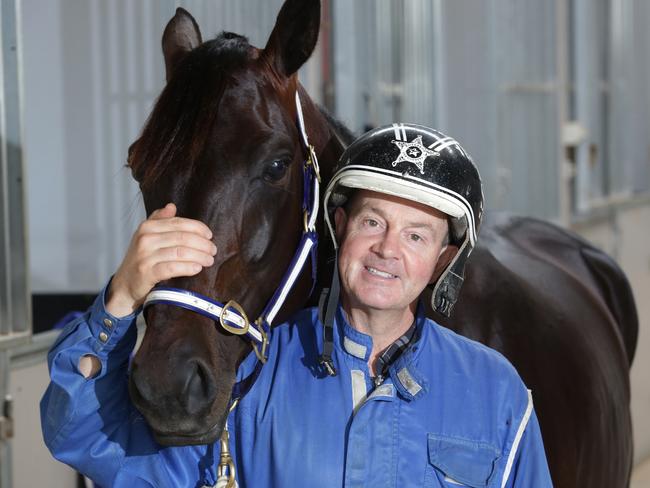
column 405, row 374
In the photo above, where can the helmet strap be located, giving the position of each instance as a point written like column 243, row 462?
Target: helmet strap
column 447, row 289
column 328, row 304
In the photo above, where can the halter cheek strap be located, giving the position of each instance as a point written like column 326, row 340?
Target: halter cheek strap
column 231, row 316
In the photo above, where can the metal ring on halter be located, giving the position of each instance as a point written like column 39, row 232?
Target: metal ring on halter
column 261, row 355
column 305, row 220
column 312, row 160
column 234, row 330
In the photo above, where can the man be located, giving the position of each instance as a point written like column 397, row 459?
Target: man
column 365, row 391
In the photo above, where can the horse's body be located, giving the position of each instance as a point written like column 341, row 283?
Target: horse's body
column 562, row 312
column 222, row 144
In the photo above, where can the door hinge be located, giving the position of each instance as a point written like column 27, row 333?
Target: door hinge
column 7, row 419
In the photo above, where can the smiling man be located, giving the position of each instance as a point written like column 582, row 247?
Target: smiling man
column 391, row 249
column 363, row 391
column 367, row 391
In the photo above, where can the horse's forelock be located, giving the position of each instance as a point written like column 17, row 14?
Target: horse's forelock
column 183, row 115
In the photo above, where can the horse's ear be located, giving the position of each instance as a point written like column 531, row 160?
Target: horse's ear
column 181, row 35
column 294, row 36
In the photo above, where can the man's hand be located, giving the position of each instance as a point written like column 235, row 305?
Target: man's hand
column 163, row 247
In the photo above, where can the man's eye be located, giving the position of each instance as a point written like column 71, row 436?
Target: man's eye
column 416, row 238
column 371, row 223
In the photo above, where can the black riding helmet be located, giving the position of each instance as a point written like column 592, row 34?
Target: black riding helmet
column 423, row 165
column 420, row 164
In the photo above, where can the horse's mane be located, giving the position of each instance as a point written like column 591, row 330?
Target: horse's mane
column 180, row 122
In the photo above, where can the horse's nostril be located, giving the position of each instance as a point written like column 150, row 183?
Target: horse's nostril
column 200, row 389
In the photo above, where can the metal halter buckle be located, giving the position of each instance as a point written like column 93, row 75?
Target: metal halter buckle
column 234, row 330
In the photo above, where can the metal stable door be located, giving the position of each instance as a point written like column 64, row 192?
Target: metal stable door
column 15, row 320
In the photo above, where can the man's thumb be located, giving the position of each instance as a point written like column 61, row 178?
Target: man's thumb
column 166, row 212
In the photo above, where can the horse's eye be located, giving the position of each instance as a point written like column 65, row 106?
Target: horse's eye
column 275, row 170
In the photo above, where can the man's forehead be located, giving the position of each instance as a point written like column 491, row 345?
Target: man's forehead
column 383, row 203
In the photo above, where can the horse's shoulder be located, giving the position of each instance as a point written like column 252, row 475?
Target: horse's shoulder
column 533, row 261
column 517, row 242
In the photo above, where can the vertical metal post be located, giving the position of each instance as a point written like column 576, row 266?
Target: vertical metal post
column 15, row 316
column 6, row 426
column 14, row 297
column 564, row 195
column 439, row 65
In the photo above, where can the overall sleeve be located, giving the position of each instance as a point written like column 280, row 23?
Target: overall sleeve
column 529, row 467
column 91, row 424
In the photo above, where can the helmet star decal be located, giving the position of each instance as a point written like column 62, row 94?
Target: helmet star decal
column 413, row 152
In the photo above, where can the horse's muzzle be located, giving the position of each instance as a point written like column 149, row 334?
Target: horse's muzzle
column 178, row 403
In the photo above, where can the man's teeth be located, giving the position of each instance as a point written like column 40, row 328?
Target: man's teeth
column 376, row 272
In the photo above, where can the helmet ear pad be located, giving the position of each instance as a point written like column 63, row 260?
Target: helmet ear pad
column 447, row 254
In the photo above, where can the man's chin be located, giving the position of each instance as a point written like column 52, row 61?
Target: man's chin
column 377, row 302
column 381, row 300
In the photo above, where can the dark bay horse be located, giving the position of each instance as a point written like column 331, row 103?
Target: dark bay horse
column 222, row 143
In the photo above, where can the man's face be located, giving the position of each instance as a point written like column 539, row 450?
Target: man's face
column 389, row 248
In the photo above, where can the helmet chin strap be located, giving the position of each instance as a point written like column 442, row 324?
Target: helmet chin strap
column 449, row 283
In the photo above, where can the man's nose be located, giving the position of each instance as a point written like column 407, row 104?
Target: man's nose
column 388, row 246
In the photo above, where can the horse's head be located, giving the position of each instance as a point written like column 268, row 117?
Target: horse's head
column 222, row 144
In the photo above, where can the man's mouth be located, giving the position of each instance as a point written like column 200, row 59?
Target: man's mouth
column 380, row 273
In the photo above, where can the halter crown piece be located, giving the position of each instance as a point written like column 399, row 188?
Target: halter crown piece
column 231, row 316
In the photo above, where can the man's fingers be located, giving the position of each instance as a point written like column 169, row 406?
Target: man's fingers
column 173, row 269
column 150, row 243
column 178, row 224
column 171, row 262
column 167, row 215
column 183, row 253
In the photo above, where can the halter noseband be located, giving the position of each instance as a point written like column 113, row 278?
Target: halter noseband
column 231, row 315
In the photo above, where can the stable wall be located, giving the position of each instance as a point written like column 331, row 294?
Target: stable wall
column 32, row 464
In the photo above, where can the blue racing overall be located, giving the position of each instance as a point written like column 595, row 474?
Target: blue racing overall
column 449, row 412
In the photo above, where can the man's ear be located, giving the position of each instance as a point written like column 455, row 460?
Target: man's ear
column 446, row 256
column 340, row 222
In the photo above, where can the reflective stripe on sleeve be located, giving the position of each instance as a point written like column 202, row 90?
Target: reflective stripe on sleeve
column 515, row 444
